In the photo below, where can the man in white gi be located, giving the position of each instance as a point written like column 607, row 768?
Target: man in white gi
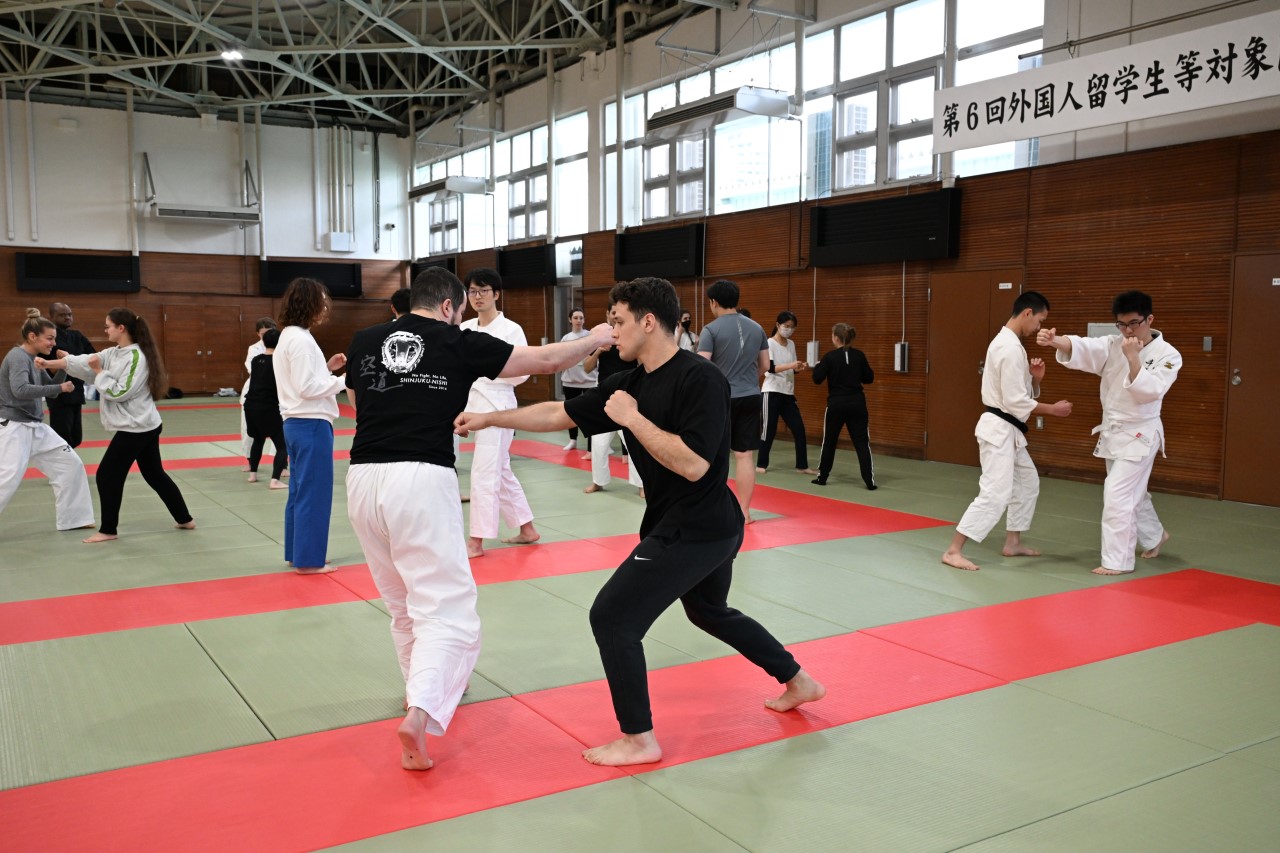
column 495, row 491
column 409, row 379
column 1137, row 366
column 1009, row 480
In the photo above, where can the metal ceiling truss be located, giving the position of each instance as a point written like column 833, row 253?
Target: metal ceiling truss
column 359, row 63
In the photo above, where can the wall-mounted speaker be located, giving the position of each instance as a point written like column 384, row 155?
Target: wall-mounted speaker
column 56, row 272
column 916, row 227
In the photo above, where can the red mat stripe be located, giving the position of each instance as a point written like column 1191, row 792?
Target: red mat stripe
column 281, row 796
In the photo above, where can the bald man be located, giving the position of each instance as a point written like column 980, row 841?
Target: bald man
column 64, row 409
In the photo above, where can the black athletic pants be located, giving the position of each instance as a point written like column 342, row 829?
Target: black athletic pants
column 125, row 449
column 262, row 424
column 782, row 405
column 569, row 394
column 850, row 415
column 659, row 571
column 65, row 421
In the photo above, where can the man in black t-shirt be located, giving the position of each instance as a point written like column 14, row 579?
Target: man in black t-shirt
column 64, row 409
column 674, row 412
column 409, row 379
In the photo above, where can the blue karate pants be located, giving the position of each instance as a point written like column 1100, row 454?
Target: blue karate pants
column 306, row 514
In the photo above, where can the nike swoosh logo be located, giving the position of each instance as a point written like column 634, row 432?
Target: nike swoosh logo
column 646, row 559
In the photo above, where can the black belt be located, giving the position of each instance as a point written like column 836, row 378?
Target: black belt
column 1005, row 416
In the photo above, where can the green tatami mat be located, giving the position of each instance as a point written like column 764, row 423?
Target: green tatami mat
column 1227, row 805
column 933, row 777
column 1222, row 690
column 1267, row 753
column 310, row 669
column 533, row 640
column 838, row 595
column 87, row 704
column 622, row 816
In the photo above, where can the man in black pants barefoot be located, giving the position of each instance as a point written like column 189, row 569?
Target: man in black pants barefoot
column 674, row 412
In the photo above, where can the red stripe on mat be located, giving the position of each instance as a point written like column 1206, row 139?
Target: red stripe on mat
column 281, row 795
column 1020, row 639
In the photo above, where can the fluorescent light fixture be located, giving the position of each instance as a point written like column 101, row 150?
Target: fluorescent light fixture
column 700, row 115
column 453, row 184
column 232, row 55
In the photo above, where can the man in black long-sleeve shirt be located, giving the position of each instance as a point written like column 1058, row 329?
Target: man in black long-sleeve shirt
column 64, row 410
column 845, row 370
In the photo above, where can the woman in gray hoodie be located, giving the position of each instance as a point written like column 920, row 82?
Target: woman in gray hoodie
column 129, row 377
column 25, row 439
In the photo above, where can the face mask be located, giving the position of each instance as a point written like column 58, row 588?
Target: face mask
column 785, row 332
column 685, row 323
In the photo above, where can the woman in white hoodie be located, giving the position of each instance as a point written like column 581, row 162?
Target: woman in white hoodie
column 129, row 377
column 308, row 403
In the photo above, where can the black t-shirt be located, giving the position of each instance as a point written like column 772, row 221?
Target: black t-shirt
column 610, row 363
column 687, row 396
column 262, row 392
column 412, row 377
column 72, row 342
column 845, row 370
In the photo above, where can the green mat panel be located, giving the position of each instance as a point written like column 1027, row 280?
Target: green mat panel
column 929, row 778
column 1222, row 690
column 86, row 704
column 1226, row 805
column 622, row 816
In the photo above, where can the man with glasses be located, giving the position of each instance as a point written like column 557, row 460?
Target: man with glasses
column 1009, row 480
column 1137, row 366
column 495, row 491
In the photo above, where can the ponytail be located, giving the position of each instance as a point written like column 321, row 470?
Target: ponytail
column 845, row 333
column 140, row 332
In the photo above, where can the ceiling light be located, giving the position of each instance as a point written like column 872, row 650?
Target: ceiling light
column 232, row 55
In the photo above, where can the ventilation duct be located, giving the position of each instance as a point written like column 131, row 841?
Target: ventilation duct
column 204, row 213
column 454, row 184
column 700, row 115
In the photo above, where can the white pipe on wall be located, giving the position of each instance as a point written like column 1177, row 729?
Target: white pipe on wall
column 131, row 202
column 262, row 183
column 10, row 228
column 32, row 204
column 315, row 181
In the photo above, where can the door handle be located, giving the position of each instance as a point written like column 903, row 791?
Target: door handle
column 1236, row 379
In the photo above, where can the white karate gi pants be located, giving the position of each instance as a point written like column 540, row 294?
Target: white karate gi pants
column 600, row 474
column 495, row 491
column 1128, row 516
column 24, row 445
column 1009, row 482
column 408, row 519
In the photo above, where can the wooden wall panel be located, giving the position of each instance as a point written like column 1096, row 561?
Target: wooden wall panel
column 993, row 222
column 1258, row 214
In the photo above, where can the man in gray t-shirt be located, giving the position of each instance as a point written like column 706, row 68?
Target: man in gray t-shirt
column 739, row 347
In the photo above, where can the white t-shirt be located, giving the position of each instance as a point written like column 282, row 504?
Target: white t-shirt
column 576, row 376
column 783, row 381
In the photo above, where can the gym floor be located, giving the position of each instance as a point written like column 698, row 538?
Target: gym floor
column 184, row 690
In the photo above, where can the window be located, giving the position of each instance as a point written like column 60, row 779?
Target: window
column 527, row 185
column 571, row 210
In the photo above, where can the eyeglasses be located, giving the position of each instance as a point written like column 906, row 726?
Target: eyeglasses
column 482, row 291
column 1132, row 324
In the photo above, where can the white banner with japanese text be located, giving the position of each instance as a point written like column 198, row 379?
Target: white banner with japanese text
column 1222, row 64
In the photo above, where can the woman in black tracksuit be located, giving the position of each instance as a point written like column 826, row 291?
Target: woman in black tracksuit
column 848, row 370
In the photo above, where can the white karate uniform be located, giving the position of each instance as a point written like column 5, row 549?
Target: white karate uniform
column 1009, row 480
column 35, row 444
column 600, row 474
column 495, row 491
column 1128, row 437
column 408, row 519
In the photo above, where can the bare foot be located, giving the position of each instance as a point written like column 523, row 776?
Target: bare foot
column 1019, row 550
column 956, row 560
column 800, row 689
column 1152, row 553
column 326, row 562
column 100, row 537
column 527, row 536
column 592, row 489
column 807, row 470
column 246, row 467
column 760, row 470
column 253, row 476
column 322, row 570
column 413, row 741
column 748, row 519
column 276, row 484
column 585, row 456
column 475, row 547
column 466, row 499
column 628, row 749
column 1102, row 570
column 641, row 492
column 187, row 525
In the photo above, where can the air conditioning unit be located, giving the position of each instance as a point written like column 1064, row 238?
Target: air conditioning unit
column 700, row 115
column 207, row 213
column 444, row 186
